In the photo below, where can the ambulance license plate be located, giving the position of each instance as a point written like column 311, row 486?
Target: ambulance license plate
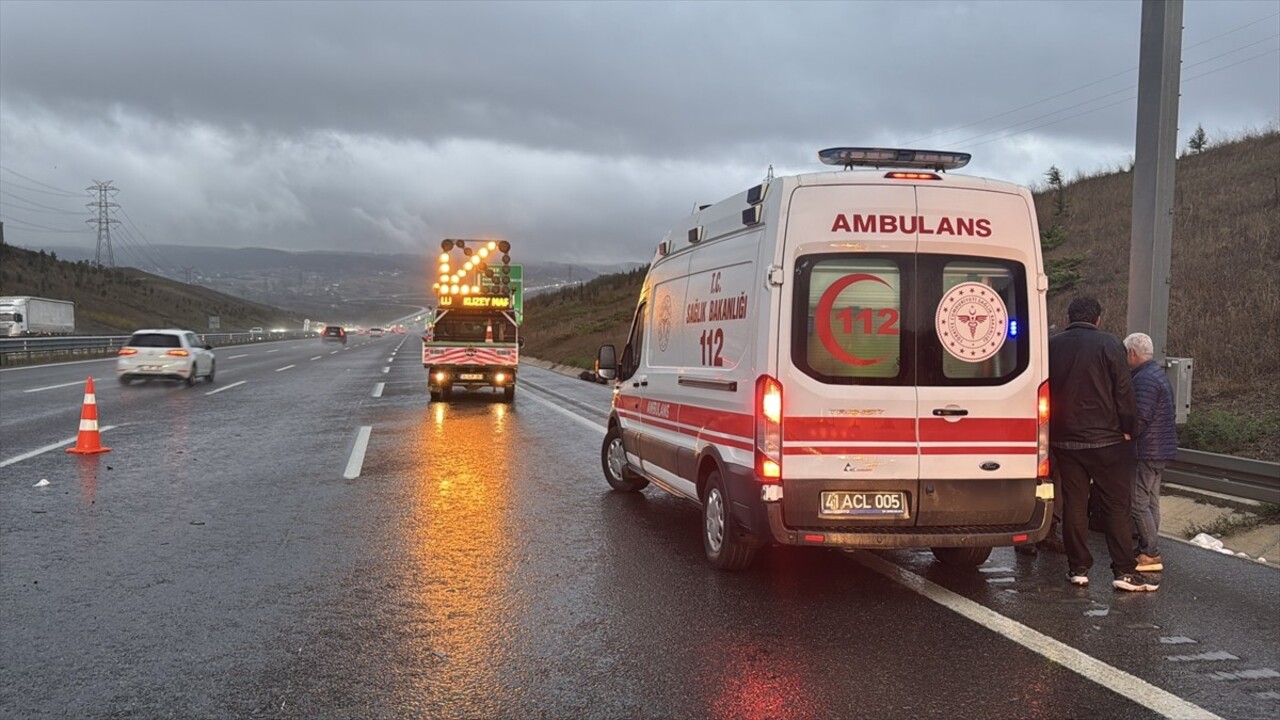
column 880, row 504
column 471, row 376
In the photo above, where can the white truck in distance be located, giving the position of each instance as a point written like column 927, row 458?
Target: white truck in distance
column 25, row 315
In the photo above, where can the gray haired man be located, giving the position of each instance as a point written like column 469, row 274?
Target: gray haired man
column 1156, row 442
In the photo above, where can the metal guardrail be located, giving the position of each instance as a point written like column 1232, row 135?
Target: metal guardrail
column 1235, row 476
column 16, row 350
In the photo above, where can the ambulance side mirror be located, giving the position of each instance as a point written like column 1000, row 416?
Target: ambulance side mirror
column 607, row 362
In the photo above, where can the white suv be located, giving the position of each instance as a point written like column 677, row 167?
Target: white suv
column 171, row 354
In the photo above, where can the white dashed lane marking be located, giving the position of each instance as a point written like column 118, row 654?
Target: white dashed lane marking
column 356, row 462
column 286, row 367
column 233, row 357
column 46, row 448
column 226, row 387
column 377, row 389
column 54, row 387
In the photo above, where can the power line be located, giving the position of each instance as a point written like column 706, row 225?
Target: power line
column 1118, row 102
column 47, row 208
column 36, row 227
column 68, row 193
column 146, row 241
column 1099, row 81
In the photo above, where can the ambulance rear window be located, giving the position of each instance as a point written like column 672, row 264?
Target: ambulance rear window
column 905, row 319
column 852, row 312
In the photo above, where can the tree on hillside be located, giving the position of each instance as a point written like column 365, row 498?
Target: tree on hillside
column 1198, row 141
column 1059, row 187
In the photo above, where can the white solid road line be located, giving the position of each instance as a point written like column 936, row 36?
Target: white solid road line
column 317, row 357
column 226, row 387
column 386, row 370
column 357, row 453
column 46, row 448
column 54, row 387
column 286, row 367
column 47, row 365
column 1134, row 688
column 233, row 357
column 572, row 415
column 377, row 389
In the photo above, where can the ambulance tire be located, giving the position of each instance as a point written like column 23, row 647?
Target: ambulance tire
column 614, row 460
column 969, row 557
column 726, row 548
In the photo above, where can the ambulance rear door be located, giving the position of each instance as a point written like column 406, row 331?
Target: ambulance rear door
column 980, row 359
column 850, row 454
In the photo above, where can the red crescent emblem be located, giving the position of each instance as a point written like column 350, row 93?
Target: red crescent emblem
column 823, row 319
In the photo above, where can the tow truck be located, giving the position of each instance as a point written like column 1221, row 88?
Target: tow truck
column 472, row 341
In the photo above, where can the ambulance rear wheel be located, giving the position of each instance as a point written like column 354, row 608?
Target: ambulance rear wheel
column 725, row 546
column 613, row 456
column 962, row 556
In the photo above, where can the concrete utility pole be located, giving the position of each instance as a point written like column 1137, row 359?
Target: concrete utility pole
column 1155, row 153
column 104, row 221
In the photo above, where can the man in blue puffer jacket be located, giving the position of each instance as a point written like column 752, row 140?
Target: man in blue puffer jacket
column 1156, row 441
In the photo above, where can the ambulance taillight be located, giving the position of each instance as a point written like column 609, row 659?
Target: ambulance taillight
column 768, row 429
column 1042, row 431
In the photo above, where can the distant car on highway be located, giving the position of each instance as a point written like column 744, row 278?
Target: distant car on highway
column 165, row 354
column 375, row 332
column 333, row 333
column 256, row 331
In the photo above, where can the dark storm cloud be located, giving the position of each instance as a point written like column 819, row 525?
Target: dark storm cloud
column 588, row 126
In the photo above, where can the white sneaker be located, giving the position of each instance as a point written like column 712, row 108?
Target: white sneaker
column 1078, row 577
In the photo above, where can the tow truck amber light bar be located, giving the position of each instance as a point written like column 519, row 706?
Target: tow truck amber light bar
column 848, row 157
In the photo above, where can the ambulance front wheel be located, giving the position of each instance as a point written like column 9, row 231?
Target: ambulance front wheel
column 725, row 546
column 962, row 556
column 613, row 456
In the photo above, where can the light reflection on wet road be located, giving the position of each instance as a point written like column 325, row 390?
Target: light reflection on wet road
column 480, row 567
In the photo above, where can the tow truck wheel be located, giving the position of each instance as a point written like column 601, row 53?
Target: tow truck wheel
column 435, row 396
column 614, row 459
column 508, row 393
column 962, row 556
column 726, row 549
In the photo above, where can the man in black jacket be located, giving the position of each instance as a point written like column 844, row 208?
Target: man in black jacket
column 1091, row 424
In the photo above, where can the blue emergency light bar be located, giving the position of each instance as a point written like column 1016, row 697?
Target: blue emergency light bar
column 848, row 157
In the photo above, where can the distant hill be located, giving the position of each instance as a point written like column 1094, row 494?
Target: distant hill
column 121, row 300
column 1224, row 298
column 352, row 288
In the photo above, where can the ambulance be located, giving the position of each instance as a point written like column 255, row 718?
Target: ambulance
column 854, row 358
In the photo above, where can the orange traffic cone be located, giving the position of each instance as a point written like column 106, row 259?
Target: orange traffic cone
column 87, row 442
column 488, row 333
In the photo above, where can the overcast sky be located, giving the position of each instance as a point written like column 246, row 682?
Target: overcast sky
column 575, row 130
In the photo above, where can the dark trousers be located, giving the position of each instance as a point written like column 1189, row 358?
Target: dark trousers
column 1111, row 469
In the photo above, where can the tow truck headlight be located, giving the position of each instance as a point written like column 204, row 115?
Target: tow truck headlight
column 500, row 378
column 441, row 377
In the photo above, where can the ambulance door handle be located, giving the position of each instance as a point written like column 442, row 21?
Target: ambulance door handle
column 642, row 382
column 950, row 412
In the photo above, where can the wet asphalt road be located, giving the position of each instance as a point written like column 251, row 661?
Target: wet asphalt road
column 218, row 564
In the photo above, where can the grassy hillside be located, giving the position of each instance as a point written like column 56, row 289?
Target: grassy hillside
column 120, row 300
column 1224, row 298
